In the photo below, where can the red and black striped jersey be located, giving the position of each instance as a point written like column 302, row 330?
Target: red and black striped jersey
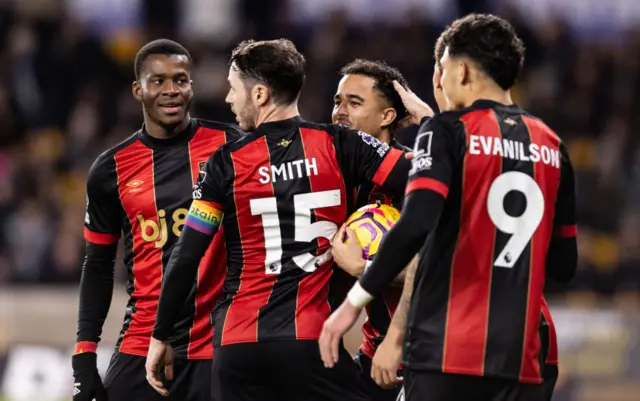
column 284, row 190
column 509, row 189
column 142, row 189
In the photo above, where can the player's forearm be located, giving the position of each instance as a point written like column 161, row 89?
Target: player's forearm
column 398, row 281
column 96, row 291
column 399, row 320
column 403, row 241
column 179, row 278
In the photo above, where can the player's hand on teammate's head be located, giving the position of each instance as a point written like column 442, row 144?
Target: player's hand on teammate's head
column 416, row 108
column 87, row 384
column 348, row 256
column 160, row 356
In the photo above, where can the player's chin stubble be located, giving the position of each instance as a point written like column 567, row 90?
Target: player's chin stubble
column 247, row 120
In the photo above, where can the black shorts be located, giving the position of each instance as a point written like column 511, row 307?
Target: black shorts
column 376, row 393
column 284, row 371
column 436, row 386
column 549, row 371
column 550, row 377
column 125, row 380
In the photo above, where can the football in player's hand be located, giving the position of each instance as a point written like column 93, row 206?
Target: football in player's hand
column 370, row 223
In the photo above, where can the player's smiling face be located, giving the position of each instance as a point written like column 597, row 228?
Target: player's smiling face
column 240, row 102
column 165, row 88
column 358, row 105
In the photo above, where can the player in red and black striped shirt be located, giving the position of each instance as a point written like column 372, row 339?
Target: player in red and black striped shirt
column 496, row 186
column 366, row 100
column 141, row 189
column 281, row 193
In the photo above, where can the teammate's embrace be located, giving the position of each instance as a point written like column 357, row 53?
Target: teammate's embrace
column 141, row 189
column 496, row 187
column 281, row 193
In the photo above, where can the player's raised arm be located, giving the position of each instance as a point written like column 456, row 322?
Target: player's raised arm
column 101, row 232
column 364, row 158
column 562, row 257
column 201, row 223
column 426, row 191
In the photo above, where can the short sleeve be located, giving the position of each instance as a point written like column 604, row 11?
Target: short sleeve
column 433, row 158
column 565, row 213
column 366, row 159
column 103, row 217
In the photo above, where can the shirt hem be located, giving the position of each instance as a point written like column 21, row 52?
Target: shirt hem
column 468, row 372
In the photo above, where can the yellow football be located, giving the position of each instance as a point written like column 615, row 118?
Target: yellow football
column 371, row 223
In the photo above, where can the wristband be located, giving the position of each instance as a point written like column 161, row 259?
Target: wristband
column 85, row 346
column 358, row 296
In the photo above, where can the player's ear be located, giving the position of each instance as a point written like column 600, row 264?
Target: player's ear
column 464, row 71
column 136, row 90
column 260, row 95
column 388, row 115
column 436, row 80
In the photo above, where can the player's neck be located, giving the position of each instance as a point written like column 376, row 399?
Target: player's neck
column 385, row 136
column 277, row 113
column 160, row 131
column 496, row 95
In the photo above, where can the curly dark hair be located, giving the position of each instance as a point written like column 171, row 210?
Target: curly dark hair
column 490, row 41
column 276, row 63
column 158, row 46
column 383, row 75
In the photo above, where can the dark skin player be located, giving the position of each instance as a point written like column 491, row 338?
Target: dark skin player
column 165, row 91
column 164, row 88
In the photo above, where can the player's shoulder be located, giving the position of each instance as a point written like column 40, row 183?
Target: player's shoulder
column 449, row 120
column 330, row 129
column 333, row 131
column 536, row 123
column 447, row 125
column 231, row 131
column 339, row 132
column 103, row 167
column 238, row 143
column 106, row 159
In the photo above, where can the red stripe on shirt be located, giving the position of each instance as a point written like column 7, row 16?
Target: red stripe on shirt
column 566, row 231
column 386, row 166
column 427, row 183
column 100, row 238
column 213, row 266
